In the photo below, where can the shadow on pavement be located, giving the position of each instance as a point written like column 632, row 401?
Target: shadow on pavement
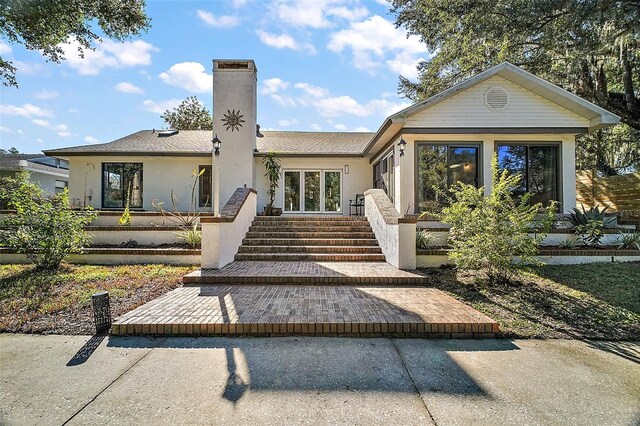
column 627, row 350
column 86, row 351
column 330, row 364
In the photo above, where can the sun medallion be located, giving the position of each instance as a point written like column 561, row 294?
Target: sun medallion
column 233, row 120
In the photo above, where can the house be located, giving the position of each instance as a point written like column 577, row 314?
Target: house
column 52, row 174
column 530, row 123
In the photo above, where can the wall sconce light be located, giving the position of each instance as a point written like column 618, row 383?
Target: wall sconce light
column 401, row 146
column 216, row 145
column 346, row 169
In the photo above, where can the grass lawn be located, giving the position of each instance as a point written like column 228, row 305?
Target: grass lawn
column 592, row 301
column 46, row 302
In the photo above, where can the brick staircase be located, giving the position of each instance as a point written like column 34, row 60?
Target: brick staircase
column 313, row 238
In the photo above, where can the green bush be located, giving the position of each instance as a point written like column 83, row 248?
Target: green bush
column 629, row 241
column 44, row 228
column 191, row 236
column 424, row 239
column 487, row 231
column 591, row 233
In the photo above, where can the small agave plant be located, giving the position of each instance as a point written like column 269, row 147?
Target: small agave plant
column 582, row 218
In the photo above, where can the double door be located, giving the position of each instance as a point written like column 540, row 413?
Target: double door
column 312, row 191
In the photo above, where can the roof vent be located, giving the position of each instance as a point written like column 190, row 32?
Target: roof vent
column 496, row 98
column 165, row 133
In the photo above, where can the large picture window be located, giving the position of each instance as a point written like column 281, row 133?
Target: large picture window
column 439, row 167
column 121, row 182
column 537, row 164
column 204, row 187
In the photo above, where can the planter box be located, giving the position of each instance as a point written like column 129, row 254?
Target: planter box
column 119, row 256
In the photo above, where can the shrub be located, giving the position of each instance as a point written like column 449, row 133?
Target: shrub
column 630, row 241
column 567, row 243
column 487, row 231
column 591, row 233
column 190, row 217
column 44, row 228
column 424, row 239
column 125, row 219
column 192, row 236
column 582, row 218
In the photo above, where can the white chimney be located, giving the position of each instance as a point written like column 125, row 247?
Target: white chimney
column 234, row 121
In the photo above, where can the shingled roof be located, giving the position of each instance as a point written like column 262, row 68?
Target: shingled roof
column 198, row 143
column 13, row 162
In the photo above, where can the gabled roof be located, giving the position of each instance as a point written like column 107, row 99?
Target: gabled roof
column 598, row 117
column 198, row 143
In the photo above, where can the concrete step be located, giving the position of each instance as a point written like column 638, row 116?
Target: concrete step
column 337, row 229
column 310, row 242
column 311, row 249
column 317, row 257
column 315, row 235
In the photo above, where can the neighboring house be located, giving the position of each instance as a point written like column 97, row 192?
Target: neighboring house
column 530, row 123
column 52, row 174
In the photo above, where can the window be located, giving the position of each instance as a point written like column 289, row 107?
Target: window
column 537, row 164
column 60, row 186
column 384, row 175
column 121, row 182
column 313, row 191
column 439, row 167
column 204, row 187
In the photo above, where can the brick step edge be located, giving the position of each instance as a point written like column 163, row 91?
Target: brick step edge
column 312, row 235
column 331, row 249
column 371, row 242
column 335, row 257
column 303, row 280
column 311, row 218
column 338, row 223
column 333, row 229
column 425, row 330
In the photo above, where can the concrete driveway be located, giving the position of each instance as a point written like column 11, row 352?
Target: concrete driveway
column 117, row 380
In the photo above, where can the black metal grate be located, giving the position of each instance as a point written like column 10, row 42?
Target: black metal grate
column 101, row 311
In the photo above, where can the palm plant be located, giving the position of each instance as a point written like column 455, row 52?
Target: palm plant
column 273, row 167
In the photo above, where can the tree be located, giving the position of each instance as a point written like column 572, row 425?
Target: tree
column 611, row 151
column 46, row 24
column 588, row 47
column 191, row 114
column 10, row 151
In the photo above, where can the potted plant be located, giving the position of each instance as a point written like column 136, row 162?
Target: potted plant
column 273, row 167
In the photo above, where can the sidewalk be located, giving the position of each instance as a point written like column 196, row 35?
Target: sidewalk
column 119, row 380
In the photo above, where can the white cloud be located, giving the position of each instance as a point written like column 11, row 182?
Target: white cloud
column 239, row 3
column 20, row 132
column 373, row 41
column 314, row 91
column 287, row 123
column 361, row 129
column 125, row 87
column 315, row 14
column 284, row 41
column 73, row 110
column 29, row 68
column 5, row 49
column 341, row 127
column 91, row 139
column 46, row 94
column 26, row 110
column 39, row 140
column 160, row 106
column 108, row 54
column 223, row 21
column 405, row 64
column 284, row 101
column 60, row 129
column 5, row 129
column 190, row 76
column 316, row 127
column 345, row 105
column 273, row 85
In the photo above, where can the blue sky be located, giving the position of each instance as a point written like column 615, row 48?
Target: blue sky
column 327, row 65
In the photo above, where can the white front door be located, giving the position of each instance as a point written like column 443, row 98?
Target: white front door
column 312, row 191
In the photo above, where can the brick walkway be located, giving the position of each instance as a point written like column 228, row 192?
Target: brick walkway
column 306, row 310
column 318, row 273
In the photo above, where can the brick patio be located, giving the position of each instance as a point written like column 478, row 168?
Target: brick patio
column 310, row 273
column 274, row 310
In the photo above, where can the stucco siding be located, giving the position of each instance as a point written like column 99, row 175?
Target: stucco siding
column 160, row 175
column 468, row 109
